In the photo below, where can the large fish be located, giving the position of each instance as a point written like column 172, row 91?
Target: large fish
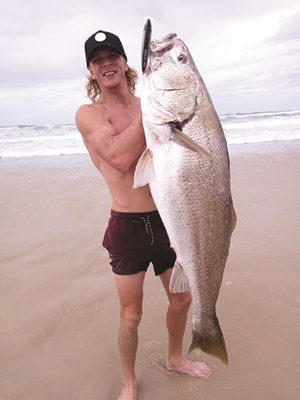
column 187, row 166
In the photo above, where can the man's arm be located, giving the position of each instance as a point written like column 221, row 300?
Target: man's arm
column 120, row 150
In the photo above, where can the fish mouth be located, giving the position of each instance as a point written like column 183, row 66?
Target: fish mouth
column 161, row 46
column 158, row 47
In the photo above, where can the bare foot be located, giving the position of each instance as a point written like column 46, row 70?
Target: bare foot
column 192, row 368
column 129, row 392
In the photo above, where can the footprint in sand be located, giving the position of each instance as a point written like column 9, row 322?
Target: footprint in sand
column 154, row 356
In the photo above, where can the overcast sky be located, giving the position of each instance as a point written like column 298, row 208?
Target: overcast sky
column 248, row 52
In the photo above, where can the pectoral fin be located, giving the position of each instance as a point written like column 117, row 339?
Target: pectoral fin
column 179, row 282
column 184, row 140
column 144, row 170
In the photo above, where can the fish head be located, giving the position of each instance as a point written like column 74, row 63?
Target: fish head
column 169, row 82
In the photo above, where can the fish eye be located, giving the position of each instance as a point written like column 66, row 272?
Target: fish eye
column 182, row 58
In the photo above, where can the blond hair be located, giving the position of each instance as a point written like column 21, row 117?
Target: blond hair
column 93, row 89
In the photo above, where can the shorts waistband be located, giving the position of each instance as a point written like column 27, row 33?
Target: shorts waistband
column 128, row 215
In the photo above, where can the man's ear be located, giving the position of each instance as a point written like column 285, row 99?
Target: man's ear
column 126, row 65
column 91, row 73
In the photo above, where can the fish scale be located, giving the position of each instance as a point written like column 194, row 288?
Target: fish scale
column 187, row 166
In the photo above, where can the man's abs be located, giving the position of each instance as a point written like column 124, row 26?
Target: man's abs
column 126, row 199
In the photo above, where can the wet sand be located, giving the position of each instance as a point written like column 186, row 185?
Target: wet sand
column 59, row 309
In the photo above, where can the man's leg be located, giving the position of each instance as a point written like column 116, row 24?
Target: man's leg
column 179, row 304
column 130, row 291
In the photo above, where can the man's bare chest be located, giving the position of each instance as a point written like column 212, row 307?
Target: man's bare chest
column 120, row 119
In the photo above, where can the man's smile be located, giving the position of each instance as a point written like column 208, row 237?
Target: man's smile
column 109, row 73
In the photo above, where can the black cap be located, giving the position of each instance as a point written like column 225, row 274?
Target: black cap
column 100, row 39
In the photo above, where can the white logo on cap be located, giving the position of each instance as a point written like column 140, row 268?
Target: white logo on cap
column 100, row 37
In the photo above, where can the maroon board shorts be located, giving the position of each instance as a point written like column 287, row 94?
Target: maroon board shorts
column 134, row 240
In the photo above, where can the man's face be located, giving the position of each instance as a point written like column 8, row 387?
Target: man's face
column 108, row 67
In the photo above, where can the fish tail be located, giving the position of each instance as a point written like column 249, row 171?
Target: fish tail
column 212, row 343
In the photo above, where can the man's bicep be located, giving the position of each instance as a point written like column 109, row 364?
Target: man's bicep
column 95, row 131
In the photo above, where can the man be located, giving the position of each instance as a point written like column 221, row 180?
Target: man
column 112, row 130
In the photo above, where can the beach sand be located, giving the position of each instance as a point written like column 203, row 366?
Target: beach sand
column 59, row 309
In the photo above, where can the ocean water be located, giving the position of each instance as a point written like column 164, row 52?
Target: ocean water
column 47, row 140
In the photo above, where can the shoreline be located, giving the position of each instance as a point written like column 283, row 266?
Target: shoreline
column 234, row 149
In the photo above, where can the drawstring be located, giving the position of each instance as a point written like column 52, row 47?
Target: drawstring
column 148, row 228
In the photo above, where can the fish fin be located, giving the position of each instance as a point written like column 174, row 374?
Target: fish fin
column 184, row 140
column 212, row 343
column 233, row 219
column 179, row 282
column 144, row 170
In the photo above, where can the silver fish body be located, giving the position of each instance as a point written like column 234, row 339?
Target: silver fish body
column 187, row 166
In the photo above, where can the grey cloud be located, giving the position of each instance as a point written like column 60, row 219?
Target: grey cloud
column 289, row 31
column 42, row 42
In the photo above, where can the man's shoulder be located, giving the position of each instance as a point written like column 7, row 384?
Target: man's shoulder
column 87, row 115
column 88, row 109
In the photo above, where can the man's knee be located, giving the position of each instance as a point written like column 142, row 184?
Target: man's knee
column 131, row 318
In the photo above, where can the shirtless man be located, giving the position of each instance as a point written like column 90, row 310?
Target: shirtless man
column 112, row 130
